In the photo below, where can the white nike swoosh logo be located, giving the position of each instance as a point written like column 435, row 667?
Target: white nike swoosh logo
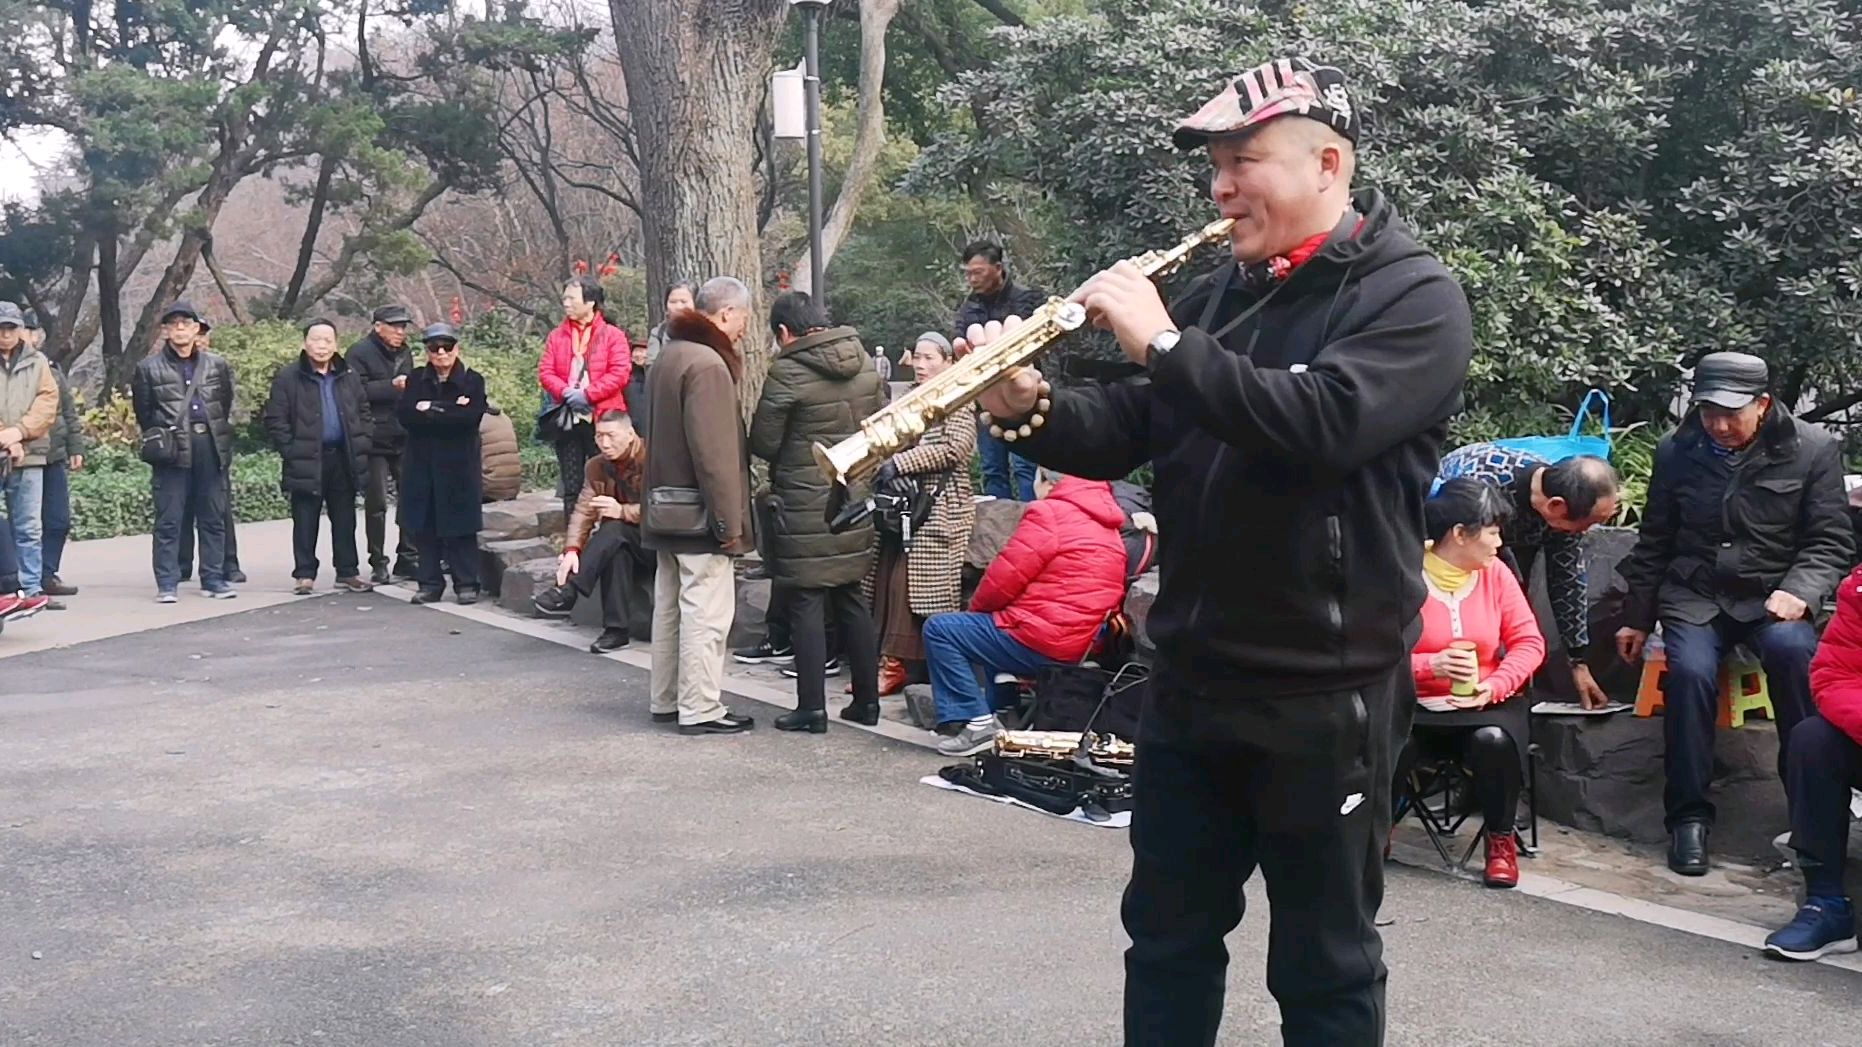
column 1351, row 803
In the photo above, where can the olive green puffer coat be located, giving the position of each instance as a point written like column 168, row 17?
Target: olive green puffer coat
column 820, row 387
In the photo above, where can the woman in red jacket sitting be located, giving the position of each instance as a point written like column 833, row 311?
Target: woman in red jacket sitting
column 1823, row 763
column 1041, row 603
column 1480, row 645
column 586, row 364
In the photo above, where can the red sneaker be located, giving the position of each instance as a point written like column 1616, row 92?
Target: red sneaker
column 13, row 608
column 1502, row 860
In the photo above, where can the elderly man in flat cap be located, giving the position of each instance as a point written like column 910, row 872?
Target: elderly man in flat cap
column 1743, row 538
column 1299, row 397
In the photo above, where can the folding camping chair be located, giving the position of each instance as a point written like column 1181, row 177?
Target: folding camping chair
column 1434, row 790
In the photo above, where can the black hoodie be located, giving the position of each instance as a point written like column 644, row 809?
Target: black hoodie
column 1292, row 455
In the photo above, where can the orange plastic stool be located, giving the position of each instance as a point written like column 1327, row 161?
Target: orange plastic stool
column 1743, row 689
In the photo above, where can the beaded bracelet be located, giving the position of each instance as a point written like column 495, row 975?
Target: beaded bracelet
column 1027, row 428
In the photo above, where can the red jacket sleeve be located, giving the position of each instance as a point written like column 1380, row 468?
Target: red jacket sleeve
column 609, row 372
column 1420, row 667
column 1836, row 671
column 1519, row 631
column 553, row 369
column 1027, row 554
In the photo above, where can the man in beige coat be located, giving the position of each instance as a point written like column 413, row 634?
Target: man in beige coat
column 28, row 408
column 697, row 514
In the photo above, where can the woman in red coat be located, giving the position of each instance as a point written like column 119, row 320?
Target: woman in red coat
column 1479, row 637
column 1041, row 603
column 586, row 364
column 1823, row 763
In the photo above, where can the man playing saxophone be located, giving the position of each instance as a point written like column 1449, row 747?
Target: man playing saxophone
column 1294, row 412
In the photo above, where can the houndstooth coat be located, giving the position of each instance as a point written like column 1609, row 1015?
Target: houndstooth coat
column 935, row 563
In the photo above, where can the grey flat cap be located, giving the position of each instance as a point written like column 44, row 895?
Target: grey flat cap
column 440, row 333
column 10, row 316
column 1730, row 380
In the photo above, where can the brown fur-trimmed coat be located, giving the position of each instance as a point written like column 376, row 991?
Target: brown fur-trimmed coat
column 696, row 434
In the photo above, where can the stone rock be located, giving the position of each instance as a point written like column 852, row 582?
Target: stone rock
column 748, row 626
column 521, row 583
column 919, row 707
column 536, row 515
column 1604, row 774
column 996, row 520
column 496, row 557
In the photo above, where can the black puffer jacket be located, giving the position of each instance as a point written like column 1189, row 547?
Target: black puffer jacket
column 1010, row 299
column 1720, row 536
column 378, row 366
column 156, row 388
column 294, row 422
column 820, row 387
column 1294, row 438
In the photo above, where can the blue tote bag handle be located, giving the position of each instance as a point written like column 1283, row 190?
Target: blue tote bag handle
column 1577, row 421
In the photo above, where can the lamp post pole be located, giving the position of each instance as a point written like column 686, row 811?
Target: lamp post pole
column 811, row 11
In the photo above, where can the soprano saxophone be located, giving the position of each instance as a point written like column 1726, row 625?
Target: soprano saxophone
column 901, row 424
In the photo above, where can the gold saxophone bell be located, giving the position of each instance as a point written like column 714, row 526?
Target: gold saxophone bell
column 902, row 423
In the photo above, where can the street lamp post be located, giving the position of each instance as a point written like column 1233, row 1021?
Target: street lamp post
column 811, row 34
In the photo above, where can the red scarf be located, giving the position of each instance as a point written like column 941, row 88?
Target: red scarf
column 1282, row 266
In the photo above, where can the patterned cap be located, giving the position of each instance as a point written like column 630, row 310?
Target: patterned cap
column 1282, row 87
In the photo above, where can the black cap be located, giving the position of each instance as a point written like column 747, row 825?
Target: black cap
column 181, row 307
column 1730, row 380
column 392, row 314
column 440, row 333
column 32, row 320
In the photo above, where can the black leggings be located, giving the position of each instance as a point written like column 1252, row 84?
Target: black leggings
column 1491, row 757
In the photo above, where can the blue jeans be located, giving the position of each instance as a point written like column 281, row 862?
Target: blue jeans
column 25, row 506
column 955, row 646
column 9, row 563
column 1691, row 699
column 999, row 463
column 57, row 517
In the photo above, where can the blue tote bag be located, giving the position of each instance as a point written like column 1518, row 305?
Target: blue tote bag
column 1559, row 448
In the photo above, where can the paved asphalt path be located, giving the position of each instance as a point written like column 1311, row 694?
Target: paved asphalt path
column 350, row 821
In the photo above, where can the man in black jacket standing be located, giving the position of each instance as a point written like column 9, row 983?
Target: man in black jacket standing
column 1743, row 537
column 1297, row 402
column 993, row 296
column 190, row 390
column 318, row 418
column 382, row 360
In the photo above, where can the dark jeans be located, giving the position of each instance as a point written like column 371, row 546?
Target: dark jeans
column 998, row 465
column 461, row 556
column 637, row 394
column 573, row 450
column 614, row 562
column 197, row 492
column 339, row 500
column 1491, row 757
column 956, row 645
column 55, row 518
column 810, row 609
column 382, row 469
column 1305, row 798
column 1825, row 764
column 230, row 543
column 9, row 563
column 1691, row 699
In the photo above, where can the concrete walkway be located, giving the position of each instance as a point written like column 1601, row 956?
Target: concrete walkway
column 1736, row 904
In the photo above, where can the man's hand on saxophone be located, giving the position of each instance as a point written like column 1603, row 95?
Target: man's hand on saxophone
column 1015, row 396
column 1124, row 301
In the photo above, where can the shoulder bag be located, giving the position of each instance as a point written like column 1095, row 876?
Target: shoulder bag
column 161, row 444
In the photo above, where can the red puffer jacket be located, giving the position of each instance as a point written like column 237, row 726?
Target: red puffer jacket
column 1062, row 572
column 1836, row 671
column 610, row 364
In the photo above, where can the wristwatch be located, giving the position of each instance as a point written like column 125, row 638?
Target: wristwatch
column 1161, row 345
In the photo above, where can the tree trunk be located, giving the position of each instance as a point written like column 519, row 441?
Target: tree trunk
column 875, row 18
column 313, row 225
column 109, row 307
column 180, row 272
column 696, row 73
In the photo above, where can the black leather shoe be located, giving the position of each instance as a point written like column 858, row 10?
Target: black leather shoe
column 814, row 721
column 665, row 717
column 429, row 596
column 52, row 585
column 1687, row 848
column 729, row 723
column 380, row 576
column 866, row 714
column 404, row 571
column 236, row 576
column 612, row 640
column 466, row 596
